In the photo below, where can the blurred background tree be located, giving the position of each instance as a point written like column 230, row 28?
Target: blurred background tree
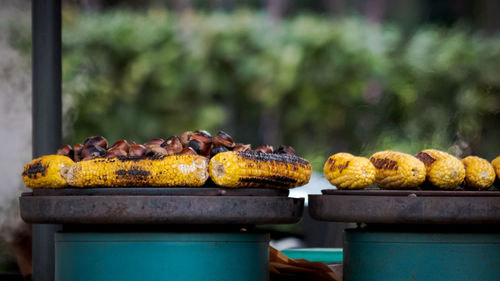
column 324, row 77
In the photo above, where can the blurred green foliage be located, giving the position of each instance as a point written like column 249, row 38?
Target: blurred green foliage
column 318, row 84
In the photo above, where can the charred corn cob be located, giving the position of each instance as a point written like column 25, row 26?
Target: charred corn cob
column 394, row 170
column 256, row 169
column 496, row 165
column 479, row 173
column 443, row 170
column 175, row 170
column 48, row 171
column 347, row 171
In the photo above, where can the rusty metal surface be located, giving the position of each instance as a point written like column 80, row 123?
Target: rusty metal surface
column 182, row 191
column 453, row 193
column 158, row 209
column 409, row 209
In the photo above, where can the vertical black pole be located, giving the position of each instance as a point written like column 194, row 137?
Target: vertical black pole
column 46, row 110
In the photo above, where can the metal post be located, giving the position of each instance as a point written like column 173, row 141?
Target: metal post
column 46, row 110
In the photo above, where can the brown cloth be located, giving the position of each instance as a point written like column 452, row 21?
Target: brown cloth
column 283, row 268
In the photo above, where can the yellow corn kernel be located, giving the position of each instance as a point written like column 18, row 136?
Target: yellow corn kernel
column 397, row 170
column 443, row 170
column 256, row 169
column 479, row 173
column 175, row 170
column 347, row 171
column 48, row 171
column 496, row 165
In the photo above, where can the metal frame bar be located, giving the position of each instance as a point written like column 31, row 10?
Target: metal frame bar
column 46, row 114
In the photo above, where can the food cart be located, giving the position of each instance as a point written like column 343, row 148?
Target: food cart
column 415, row 234
column 137, row 233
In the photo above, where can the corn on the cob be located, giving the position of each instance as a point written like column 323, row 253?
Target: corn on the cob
column 175, row 170
column 347, row 171
column 256, row 169
column 443, row 170
column 496, row 165
column 479, row 173
column 396, row 170
column 48, row 171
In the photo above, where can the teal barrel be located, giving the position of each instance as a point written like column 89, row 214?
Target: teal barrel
column 161, row 256
column 408, row 256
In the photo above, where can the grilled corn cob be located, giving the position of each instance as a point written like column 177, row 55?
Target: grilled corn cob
column 443, row 170
column 175, row 170
column 48, row 171
column 496, row 165
column 257, row 169
column 396, row 170
column 479, row 173
column 347, row 171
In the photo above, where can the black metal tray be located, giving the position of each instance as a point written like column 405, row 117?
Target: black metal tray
column 375, row 192
column 184, row 191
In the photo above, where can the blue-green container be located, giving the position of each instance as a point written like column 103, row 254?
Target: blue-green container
column 161, row 256
column 396, row 256
column 326, row 255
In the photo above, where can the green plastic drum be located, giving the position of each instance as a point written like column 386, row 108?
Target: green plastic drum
column 407, row 256
column 161, row 256
column 326, row 255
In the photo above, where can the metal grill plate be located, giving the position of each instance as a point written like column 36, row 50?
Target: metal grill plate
column 183, row 206
column 407, row 207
